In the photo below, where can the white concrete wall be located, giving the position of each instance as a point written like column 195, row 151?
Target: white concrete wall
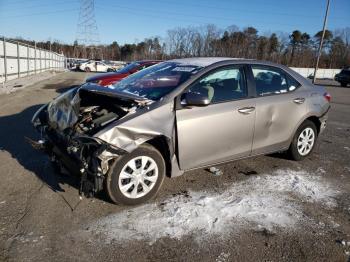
column 321, row 72
column 22, row 60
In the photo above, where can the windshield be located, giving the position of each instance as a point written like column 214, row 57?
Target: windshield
column 128, row 67
column 156, row 81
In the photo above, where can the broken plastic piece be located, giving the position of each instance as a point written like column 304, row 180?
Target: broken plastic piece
column 215, row 171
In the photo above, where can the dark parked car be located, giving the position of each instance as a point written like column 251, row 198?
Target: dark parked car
column 177, row 116
column 114, row 77
column 343, row 77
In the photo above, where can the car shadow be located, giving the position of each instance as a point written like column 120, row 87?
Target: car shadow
column 15, row 130
column 280, row 155
column 65, row 89
column 60, row 87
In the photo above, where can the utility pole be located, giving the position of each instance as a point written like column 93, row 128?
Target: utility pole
column 321, row 42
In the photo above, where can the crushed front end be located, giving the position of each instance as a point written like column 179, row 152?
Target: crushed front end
column 67, row 127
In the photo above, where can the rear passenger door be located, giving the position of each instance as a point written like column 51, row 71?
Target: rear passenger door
column 279, row 108
column 221, row 131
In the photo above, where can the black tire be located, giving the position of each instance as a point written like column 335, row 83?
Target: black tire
column 343, row 84
column 110, row 70
column 293, row 148
column 87, row 69
column 112, row 179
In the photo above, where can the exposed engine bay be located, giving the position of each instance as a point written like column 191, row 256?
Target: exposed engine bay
column 93, row 119
column 97, row 112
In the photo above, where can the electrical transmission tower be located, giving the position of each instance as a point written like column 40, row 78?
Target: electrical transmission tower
column 87, row 38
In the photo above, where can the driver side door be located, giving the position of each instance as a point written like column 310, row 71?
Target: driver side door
column 222, row 130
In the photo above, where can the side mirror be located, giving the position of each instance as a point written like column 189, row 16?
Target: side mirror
column 195, row 99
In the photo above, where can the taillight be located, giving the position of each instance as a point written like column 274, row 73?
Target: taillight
column 327, row 96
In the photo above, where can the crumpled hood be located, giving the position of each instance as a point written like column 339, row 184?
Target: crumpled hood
column 63, row 112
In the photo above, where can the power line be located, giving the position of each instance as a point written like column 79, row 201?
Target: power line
column 146, row 12
column 41, row 13
column 19, row 2
column 235, row 10
column 239, row 10
column 41, row 5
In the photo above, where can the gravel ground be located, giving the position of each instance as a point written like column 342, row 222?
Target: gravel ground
column 265, row 208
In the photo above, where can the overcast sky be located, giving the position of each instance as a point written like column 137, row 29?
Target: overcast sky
column 130, row 21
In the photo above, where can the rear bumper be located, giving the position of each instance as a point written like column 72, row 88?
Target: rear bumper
column 323, row 119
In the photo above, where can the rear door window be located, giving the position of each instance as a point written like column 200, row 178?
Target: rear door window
column 271, row 81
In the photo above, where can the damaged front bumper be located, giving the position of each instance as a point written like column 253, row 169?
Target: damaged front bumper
column 85, row 156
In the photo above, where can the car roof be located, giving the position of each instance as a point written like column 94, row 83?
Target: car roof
column 218, row 61
column 148, row 61
column 205, row 61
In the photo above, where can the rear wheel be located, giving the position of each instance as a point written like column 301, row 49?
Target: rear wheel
column 304, row 141
column 343, row 84
column 136, row 177
column 87, row 69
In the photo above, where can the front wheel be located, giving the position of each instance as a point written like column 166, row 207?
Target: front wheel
column 87, row 69
column 136, row 177
column 343, row 84
column 304, row 141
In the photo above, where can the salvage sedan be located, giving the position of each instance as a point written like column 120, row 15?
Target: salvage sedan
column 177, row 116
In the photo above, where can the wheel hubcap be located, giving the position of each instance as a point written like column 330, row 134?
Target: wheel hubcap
column 306, row 141
column 138, row 177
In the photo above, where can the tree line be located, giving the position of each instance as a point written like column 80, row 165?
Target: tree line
column 298, row 49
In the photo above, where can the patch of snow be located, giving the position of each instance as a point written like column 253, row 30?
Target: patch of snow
column 2, row 202
column 320, row 170
column 302, row 184
column 334, row 224
column 223, row 257
column 347, row 148
column 265, row 200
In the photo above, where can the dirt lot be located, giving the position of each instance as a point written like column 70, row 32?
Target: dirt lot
column 266, row 208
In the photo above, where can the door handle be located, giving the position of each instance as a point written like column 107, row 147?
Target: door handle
column 246, row 110
column 299, row 100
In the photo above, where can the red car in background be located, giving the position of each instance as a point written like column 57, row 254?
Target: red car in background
column 111, row 78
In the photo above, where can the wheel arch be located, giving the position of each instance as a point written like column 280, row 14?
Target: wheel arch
column 161, row 143
column 316, row 121
column 311, row 117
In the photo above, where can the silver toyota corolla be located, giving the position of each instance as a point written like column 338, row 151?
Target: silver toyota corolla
column 177, row 116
